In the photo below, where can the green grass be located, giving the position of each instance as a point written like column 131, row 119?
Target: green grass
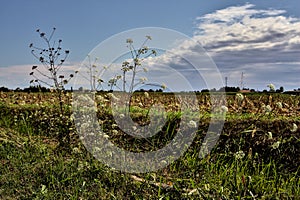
column 33, row 167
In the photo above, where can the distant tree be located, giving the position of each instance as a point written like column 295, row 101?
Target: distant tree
column 230, row 89
column 213, row 90
column 4, row 89
column 80, row 88
column 205, row 90
column 18, row 89
column 36, row 88
column 281, row 89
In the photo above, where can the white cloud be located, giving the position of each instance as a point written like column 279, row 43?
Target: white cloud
column 263, row 43
column 243, row 27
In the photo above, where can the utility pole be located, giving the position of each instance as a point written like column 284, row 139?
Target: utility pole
column 242, row 81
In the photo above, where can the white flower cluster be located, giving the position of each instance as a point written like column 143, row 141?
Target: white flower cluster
column 239, row 97
column 224, row 109
column 239, row 155
column 271, row 86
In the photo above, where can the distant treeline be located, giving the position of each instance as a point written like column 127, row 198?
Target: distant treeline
column 223, row 89
column 29, row 89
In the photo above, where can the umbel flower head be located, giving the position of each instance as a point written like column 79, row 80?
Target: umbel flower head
column 272, row 87
column 294, row 128
column 239, row 97
column 224, row 109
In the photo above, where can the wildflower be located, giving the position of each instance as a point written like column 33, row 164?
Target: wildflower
column 295, row 128
column 192, row 124
column 276, row 145
column 134, row 128
column 163, row 86
column 145, row 69
column 114, row 132
column 279, row 105
column 148, row 37
column 270, row 135
column 76, row 150
column 163, row 162
column 146, row 94
column 239, row 97
column 268, row 109
column 272, row 87
column 224, row 109
column 100, row 98
column 121, row 115
column 107, row 136
column 239, row 155
column 113, row 96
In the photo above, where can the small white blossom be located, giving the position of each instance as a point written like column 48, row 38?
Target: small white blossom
column 294, row 128
column 192, row 124
column 239, row 97
column 276, row 145
column 224, row 109
column 163, row 86
column 271, row 86
column 134, row 128
column 115, row 132
column 121, row 115
column 100, row 98
column 270, row 135
column 239, row 155
column 163, row 162
column 146, row 94
column 279, row 105
column 113, row 96
column 107, row 136
column 268, row 109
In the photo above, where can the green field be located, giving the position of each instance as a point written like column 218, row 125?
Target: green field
column 256, row 156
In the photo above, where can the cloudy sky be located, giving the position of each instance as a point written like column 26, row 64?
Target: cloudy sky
column 259, row 38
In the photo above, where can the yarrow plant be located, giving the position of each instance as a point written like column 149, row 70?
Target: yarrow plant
column 239, row 97
column 271, row 87
column 93, row 73
column 52, row 59
column 134, row 64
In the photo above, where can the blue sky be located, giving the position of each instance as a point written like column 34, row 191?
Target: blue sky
column 84, row 24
